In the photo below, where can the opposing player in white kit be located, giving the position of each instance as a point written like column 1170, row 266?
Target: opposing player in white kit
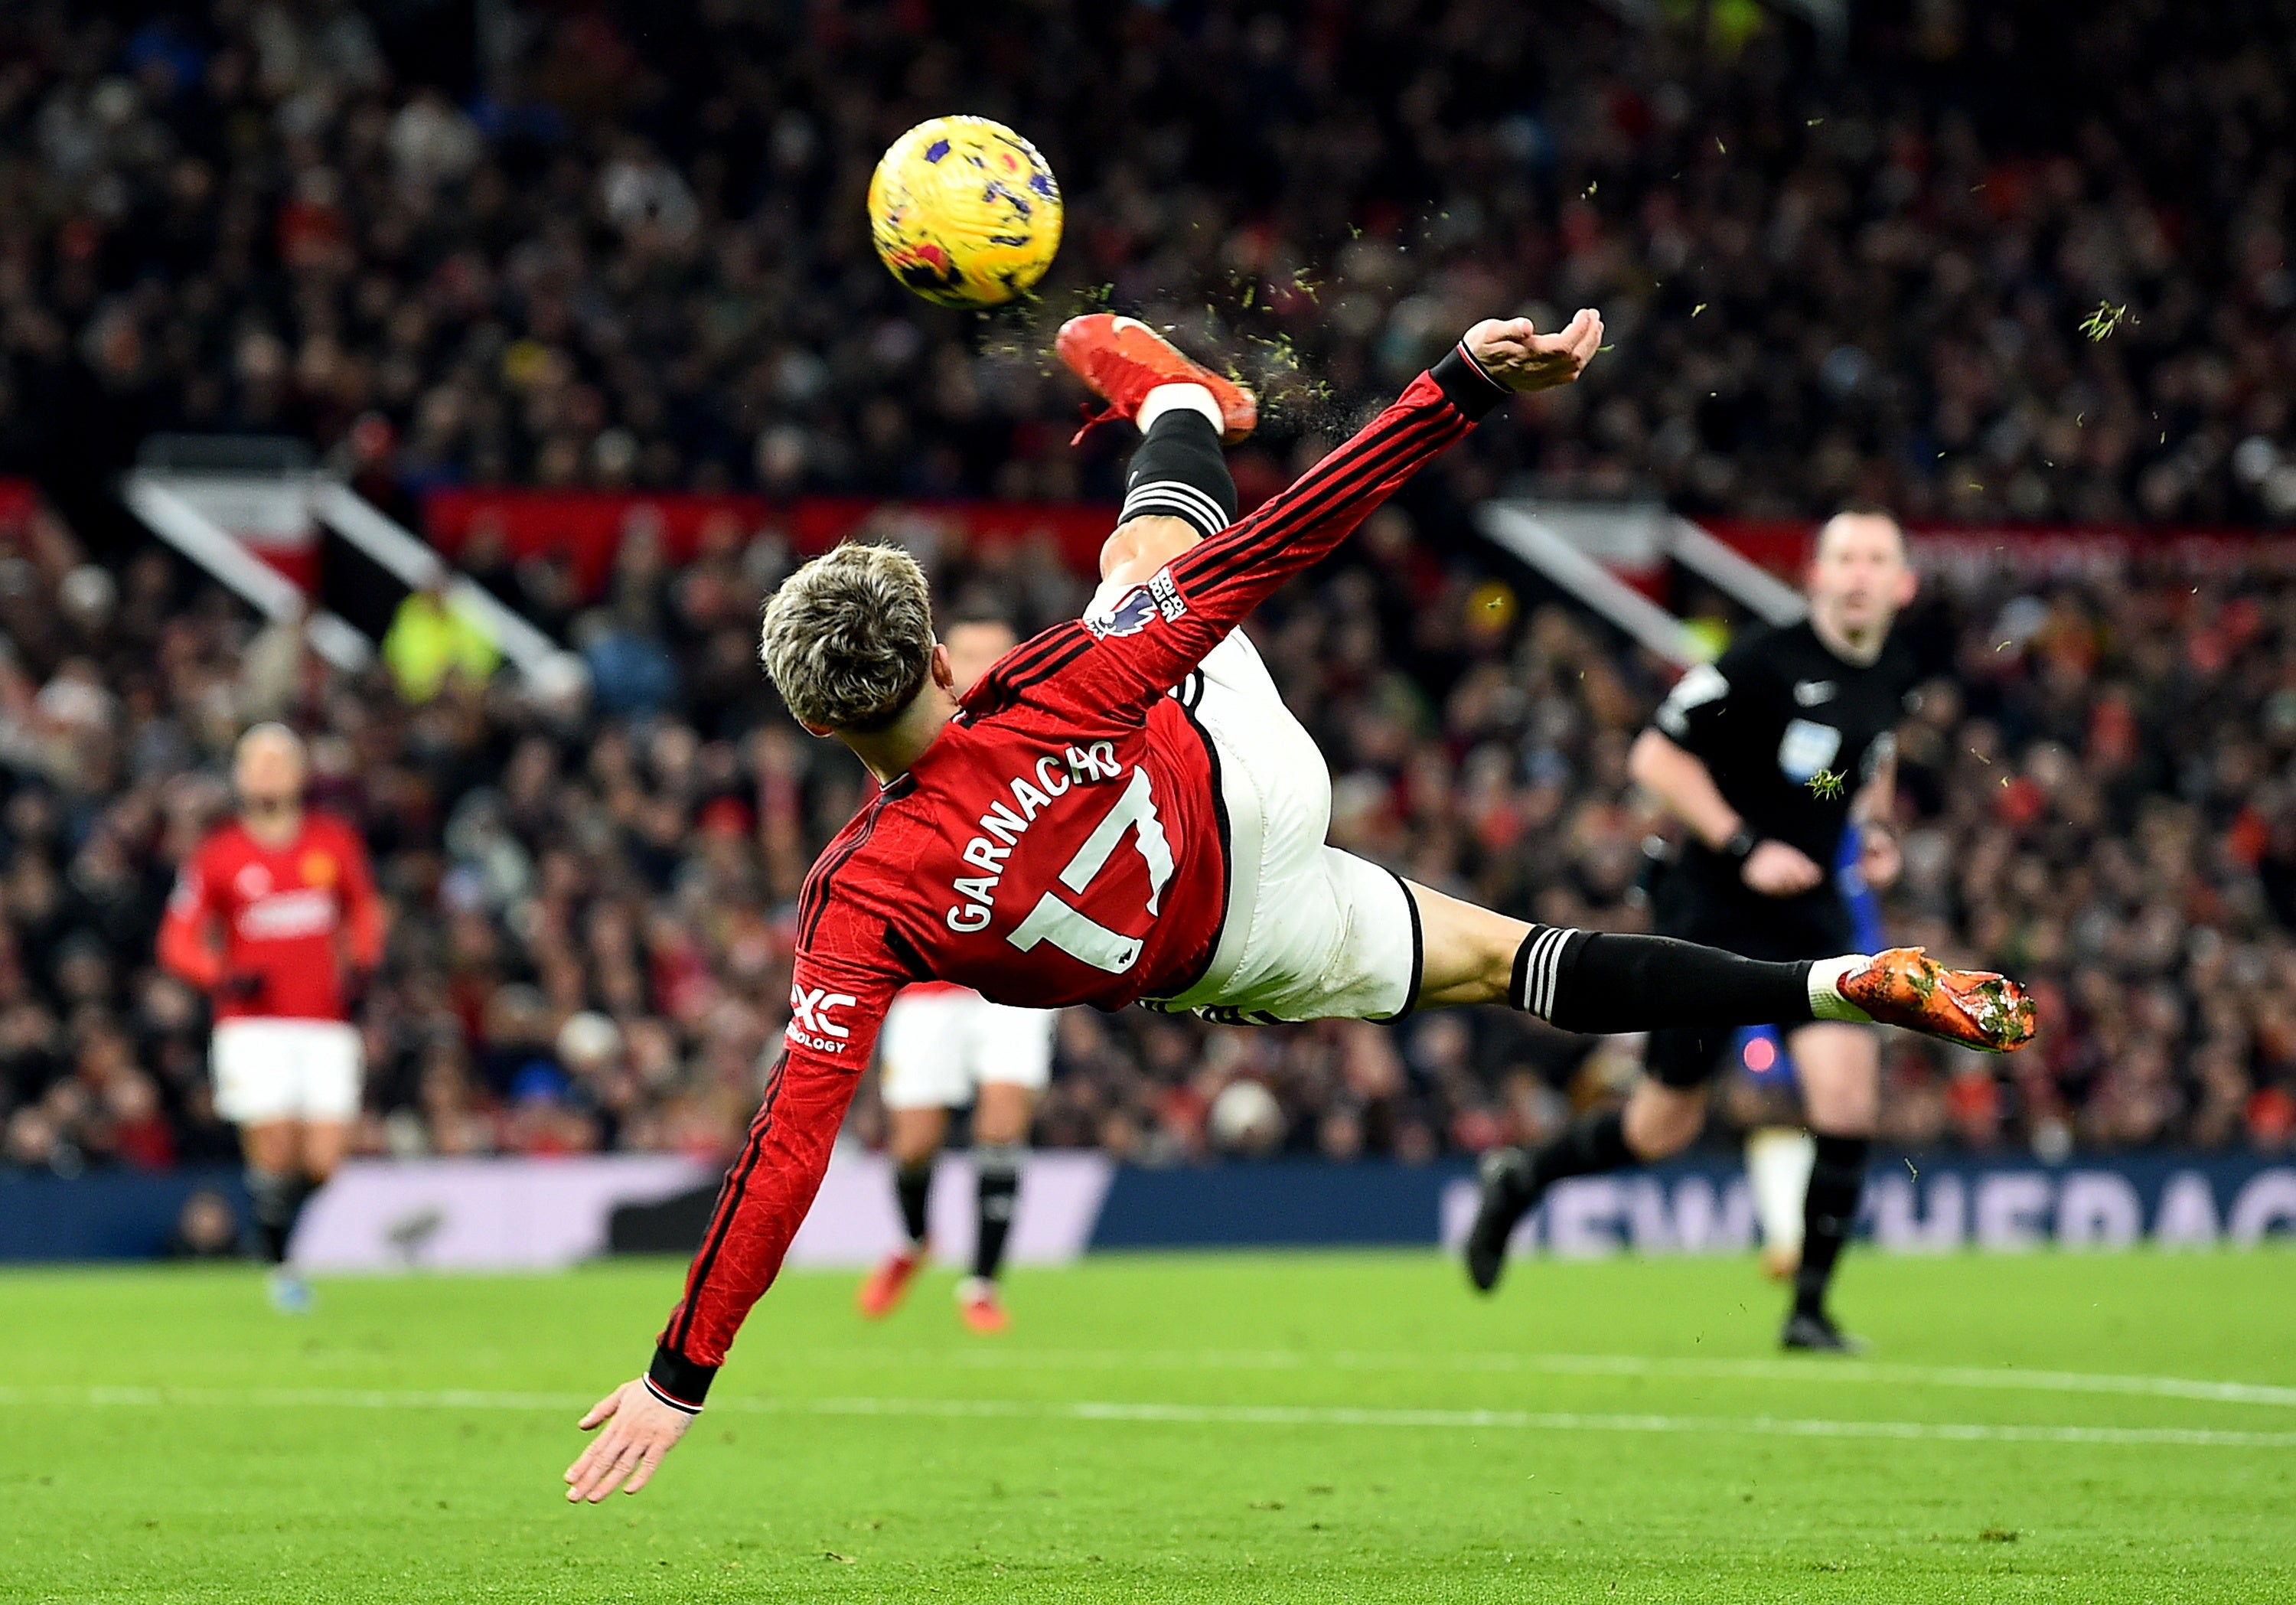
column 944, row 1046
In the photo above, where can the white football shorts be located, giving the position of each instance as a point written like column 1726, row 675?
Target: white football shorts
column 285, row 1069
column 937, row 1045
column 1312, row 932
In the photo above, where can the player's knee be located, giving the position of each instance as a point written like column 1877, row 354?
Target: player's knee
column 916, row 1135
column 1467, row 954
column 1841, row 1078
column 1012, row 1132
column 270, row 1147
column 1661, row 1121
column 1846, row 1112
column 1139, row 546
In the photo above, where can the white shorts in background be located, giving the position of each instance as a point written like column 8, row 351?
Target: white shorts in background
column 1312, row 932
column 285, row 1069
column 937, row 1045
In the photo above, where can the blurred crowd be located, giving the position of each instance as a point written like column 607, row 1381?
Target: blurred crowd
column 2023, row 260
column 592, row 909
column 2014, row 262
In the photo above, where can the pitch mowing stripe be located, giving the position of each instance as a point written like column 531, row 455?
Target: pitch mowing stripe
column 1817, row 1369
column 1214, row 1415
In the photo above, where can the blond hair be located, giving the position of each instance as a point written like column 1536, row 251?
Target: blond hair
column 849, row 639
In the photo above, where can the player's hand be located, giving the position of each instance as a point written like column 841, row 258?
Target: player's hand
column 1879, row 860
column 1519, row 357
column 1777, row 869
column 640, row 1429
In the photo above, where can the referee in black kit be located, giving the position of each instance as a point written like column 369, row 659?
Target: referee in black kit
column 1764, row 757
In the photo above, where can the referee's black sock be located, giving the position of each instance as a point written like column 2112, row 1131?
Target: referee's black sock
column 1600, row 982
column 996, row 1169
column 275, row 1199
column 1837, row 1179
column 911, row 1186
column 1180, row 469
column 1588, row 1146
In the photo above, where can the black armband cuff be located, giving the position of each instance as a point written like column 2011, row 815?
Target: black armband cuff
column 1741, row 846
column 1464, row 383
column 677, row 1381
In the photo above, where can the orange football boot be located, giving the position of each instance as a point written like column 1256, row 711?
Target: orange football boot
column 881, row 1294
column 1905, row 987
column 1122, row 359
column 980, row 1308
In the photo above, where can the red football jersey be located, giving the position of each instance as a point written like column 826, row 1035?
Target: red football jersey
column 936, row 989
column 290, row 917
column 1060, row 842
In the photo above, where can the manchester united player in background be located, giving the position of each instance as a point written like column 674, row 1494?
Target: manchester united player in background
column 1124, row 811
column 300, row 920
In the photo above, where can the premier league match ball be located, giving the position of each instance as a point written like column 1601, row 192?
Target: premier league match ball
column 965, row 212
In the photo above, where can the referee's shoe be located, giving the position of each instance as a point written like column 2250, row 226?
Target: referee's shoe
column 1813, row 1331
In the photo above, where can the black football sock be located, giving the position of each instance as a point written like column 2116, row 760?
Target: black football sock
column 913, row 1186
column 997, row 1170
column 1837, row 1179
column 1180, row 471
column 1599, row 981
column 1588, row 1146
column 275, row 1200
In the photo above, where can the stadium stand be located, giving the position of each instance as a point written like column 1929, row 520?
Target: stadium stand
column 285, row 217
column 1818, row 284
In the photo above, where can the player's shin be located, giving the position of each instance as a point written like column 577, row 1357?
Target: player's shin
column 1511, row 1181
column 275, row 1199
column 1601, row 981
column 912, row 1189
column 1837, row 1181
column 1180, row 469
column 880, row 1293
column 1590, row 1145
column 997, row 1170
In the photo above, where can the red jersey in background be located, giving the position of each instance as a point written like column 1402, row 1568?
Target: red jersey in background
column 291, row 916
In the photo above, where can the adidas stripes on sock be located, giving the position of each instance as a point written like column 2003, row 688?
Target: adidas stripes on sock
column 1601, row 981
column 1180, row 470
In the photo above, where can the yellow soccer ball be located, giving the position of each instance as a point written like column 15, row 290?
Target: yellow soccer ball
column 965, row 211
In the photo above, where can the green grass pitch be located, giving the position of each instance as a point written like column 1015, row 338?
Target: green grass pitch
column 1183, row 1427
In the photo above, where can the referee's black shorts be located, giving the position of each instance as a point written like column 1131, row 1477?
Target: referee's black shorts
column 1692, row 906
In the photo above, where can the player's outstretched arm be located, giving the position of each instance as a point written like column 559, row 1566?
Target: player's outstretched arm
column 1148, row 639
column 639, row 1430
column 1215, row 585
column 763, row 1201
column 1514, row 355
column 843, row 980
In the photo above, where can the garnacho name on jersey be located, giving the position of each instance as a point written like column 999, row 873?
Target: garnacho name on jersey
column 1003, row 824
